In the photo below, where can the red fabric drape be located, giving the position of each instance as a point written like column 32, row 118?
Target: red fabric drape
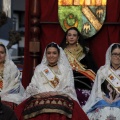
column 98, row 44
column 110, row 33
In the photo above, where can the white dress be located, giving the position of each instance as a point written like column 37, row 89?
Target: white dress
column 104, row 104
column 12, row 90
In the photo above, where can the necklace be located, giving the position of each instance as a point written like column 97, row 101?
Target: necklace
column 54, row 69
column 115, row 68
column 52, row 65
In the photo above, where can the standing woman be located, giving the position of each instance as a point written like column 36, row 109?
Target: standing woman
column 51, row 94
column 104, row 101
column 11, row 89
column 81, row 61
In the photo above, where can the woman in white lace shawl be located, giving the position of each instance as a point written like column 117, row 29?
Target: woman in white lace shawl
column 11, row 88
column 51, row 93
column 104, row 101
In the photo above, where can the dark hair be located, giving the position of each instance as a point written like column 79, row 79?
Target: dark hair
column 81, row 40
column 3, row 47
column 52, row 44
column 115, row 46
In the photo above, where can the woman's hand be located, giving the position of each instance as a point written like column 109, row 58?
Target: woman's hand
column 53, row 93
column 46, row 94
column 107, row 99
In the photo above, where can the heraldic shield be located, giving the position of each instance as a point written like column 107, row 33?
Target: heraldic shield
column 87, row 15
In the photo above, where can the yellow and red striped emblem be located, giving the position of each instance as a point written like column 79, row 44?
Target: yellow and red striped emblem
column 87, row 15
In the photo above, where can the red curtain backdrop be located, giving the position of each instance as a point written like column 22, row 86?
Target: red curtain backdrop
column 98, row 44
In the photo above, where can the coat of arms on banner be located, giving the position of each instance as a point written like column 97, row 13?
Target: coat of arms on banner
column 87, row 15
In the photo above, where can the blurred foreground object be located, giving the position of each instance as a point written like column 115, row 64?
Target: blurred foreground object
column 3, row 18
column 14, row 37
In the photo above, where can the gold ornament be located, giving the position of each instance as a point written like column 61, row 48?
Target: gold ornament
column 77, row 43
column 66, row 42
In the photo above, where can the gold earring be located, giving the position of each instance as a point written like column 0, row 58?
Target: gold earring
column 66, row 42
column 77, row 43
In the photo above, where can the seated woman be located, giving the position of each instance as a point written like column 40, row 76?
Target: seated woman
column 51, row 94
column 11, row 88
column 104, row 101
column 81, row 61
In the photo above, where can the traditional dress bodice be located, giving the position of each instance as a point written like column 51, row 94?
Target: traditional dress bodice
column 77, row 52
column 50, row 77
column 74, row 58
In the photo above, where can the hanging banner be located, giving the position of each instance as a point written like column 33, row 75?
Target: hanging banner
column 87, row 15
